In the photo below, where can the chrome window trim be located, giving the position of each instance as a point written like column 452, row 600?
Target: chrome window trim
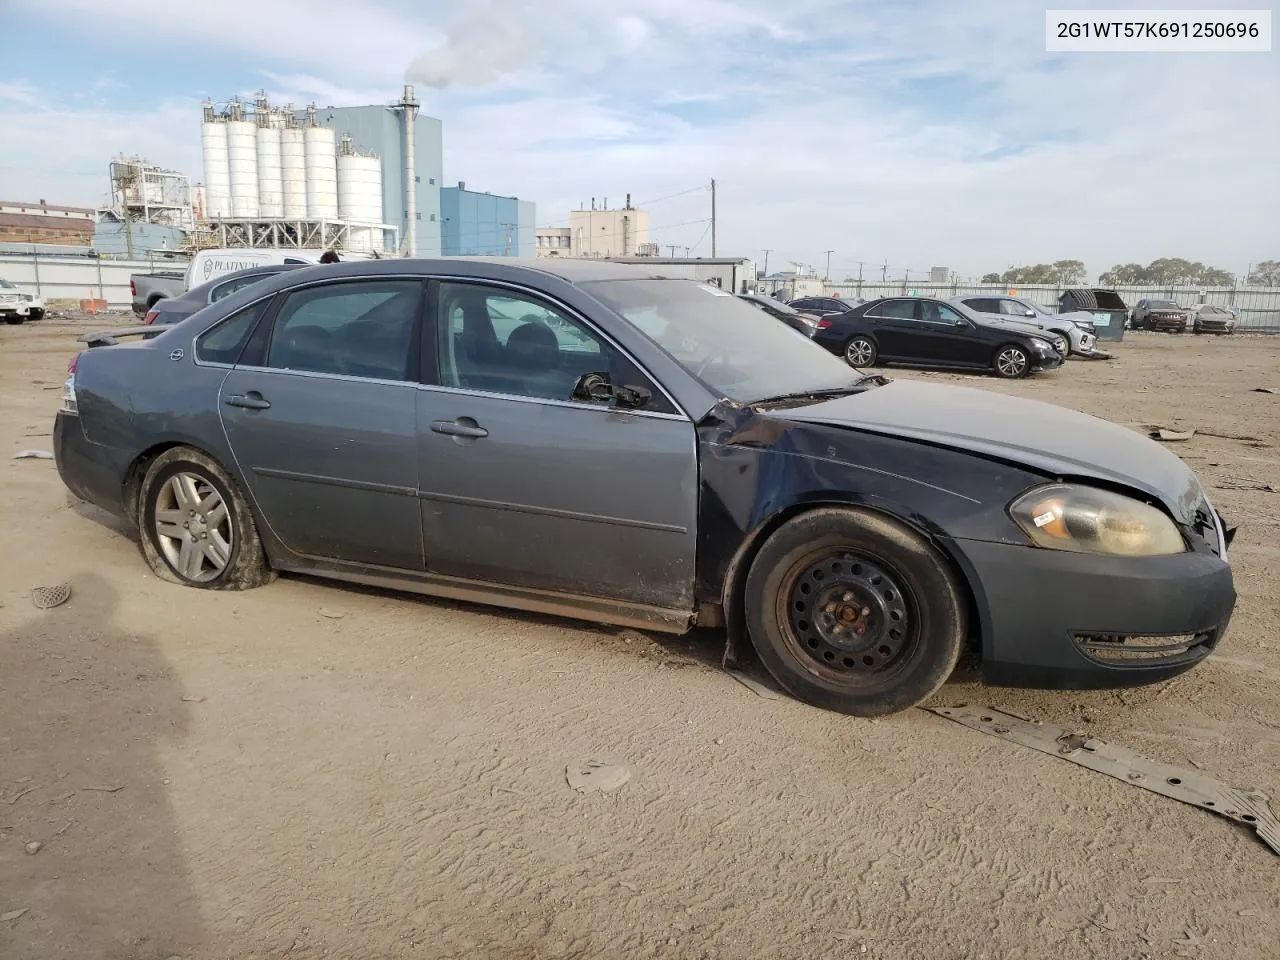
column 322, row 375
column 545, row 401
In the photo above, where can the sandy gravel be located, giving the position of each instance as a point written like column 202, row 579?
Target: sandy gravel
column 310, row 771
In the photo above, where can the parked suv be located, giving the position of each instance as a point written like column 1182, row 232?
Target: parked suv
column 1076, row 327
column 18, row 307
column 1164, row 315
column 927, row 332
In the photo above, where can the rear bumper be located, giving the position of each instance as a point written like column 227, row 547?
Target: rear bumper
column 92, row 472
column 1058, row 620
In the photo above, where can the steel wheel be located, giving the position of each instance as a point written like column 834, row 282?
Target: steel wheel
column 849, row 617
column 1012, row 362
column 193, row 527
column 860, row 352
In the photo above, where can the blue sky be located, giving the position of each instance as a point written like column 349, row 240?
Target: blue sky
column 923, row 132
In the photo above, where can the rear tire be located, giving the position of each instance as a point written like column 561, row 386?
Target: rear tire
column 196, row 527
column 36, row 315
column 861, row 351
column 1011, row 362
column 830, row 573
column 13, row 321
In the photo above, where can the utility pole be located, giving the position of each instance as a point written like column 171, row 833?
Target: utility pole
column 826, row 277
column 884, row 272
column 672, row 248
column 713, row 217
column 766, row 261
column 686, row 252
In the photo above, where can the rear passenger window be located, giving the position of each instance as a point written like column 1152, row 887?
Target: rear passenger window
column 898, row 309
column 224, row 342
column 360, row 328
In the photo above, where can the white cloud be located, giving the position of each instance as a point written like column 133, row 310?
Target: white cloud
column 923, row 133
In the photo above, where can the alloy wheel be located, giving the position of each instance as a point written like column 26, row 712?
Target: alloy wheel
column 193, row 527
column 1011, row 362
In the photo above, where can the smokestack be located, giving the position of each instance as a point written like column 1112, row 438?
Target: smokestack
column 409, row 104
column 628, row 201
column 593, row 203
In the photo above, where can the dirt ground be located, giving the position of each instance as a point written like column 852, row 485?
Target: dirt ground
column 309, row 770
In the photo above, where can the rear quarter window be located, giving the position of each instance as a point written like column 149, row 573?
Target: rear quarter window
column 225, row 341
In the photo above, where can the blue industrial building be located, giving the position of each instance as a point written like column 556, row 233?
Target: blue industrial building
column 484, row 225
column 380, row 130
column 449, row 221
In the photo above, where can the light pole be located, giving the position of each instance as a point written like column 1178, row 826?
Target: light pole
column 826, row 277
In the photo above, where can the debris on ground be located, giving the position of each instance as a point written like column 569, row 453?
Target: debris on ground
column 46, row 598
column 604, row 774
column 1170, row 435
column 1243, row 806
column 103, row 789
column 33, row 455
column 18, row 796
column 1266, row 389
column 331, row 614
column 1244, row 483
column 13, row 914
column 755, row 686
column 34, row 847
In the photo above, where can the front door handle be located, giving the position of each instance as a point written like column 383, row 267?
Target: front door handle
column 253, row 400
column 462, row 427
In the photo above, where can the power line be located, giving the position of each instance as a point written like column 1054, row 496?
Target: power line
column 672, row 196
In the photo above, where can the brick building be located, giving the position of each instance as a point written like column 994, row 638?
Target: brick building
column 41, row 222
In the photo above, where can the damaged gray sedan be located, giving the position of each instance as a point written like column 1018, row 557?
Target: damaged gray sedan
column 601, row 441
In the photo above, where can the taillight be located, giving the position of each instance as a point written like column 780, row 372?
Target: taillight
column 133, row 288
column 150, row 318
column 69, row 404
column 824, row 323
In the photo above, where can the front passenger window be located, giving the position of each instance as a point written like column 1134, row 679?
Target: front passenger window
column 359, row 328
column 496, row 340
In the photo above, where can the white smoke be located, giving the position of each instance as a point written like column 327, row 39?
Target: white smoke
column 482, row 44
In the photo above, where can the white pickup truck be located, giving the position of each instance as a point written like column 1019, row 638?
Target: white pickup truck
column 18, row 307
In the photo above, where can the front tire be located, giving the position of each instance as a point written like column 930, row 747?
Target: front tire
column 196, row 527
column 1011, row 362
column 13, row 321
column 852, row 612
column 860, row 352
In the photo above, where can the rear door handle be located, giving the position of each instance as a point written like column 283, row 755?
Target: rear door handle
column 253, row 400
column 462, row 427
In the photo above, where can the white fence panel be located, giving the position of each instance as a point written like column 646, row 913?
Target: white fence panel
column 80, row 278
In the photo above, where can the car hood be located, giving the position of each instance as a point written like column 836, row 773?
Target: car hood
column 1047, row 438
column 1028, row 326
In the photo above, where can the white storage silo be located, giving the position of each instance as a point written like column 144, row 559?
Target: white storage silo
column 359, row 186
column 270, row 175
column 293, row 172
column 322, row 173
column 217, row 173
column 242, row 156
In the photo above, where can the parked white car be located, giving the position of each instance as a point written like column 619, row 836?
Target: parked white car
column 1077, row 327
column 18, row 307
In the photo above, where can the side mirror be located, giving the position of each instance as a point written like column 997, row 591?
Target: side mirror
column 961, row 322
column 1029, row 313
column 596, row 388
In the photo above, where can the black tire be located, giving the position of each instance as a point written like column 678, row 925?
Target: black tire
column 863, row 349
column 1004, row 364
column 246, row 565
column 915, row 615
column 36, row 315
column 13, row 321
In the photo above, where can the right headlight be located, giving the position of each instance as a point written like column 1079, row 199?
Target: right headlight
column 1084, row 519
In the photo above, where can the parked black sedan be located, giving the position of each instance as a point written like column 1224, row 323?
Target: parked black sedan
column 588, row 439
column 797, row 320
column 925, row 332
column 171, row 310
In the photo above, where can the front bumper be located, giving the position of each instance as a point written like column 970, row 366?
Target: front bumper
column 92, row 472
column 1058, row 620
column 1046, row 359
column 1165, row 324
column 1213, row 326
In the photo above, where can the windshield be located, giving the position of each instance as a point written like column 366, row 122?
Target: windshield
column 736, row 350
column 7, row 285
